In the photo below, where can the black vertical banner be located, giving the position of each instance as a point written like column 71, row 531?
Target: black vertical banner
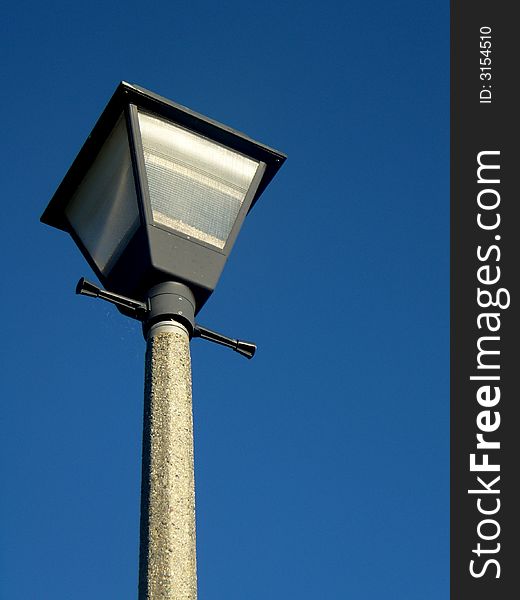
column 485, row 299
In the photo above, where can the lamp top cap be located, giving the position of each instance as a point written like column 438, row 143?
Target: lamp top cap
column 127, row 94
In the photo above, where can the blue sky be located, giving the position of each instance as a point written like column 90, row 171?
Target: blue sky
column 321, row 465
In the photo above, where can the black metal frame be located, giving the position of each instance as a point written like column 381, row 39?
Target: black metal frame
column 156, row 253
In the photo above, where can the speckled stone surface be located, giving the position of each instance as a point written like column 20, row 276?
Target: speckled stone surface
column 167, row 566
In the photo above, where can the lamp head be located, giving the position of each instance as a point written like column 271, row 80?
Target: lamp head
column 159, row 193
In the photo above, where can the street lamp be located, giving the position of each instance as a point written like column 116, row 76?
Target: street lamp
column 155, row 200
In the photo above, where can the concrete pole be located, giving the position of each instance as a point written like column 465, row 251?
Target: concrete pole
column 167, row 559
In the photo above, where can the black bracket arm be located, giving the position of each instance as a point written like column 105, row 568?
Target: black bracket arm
column 131, row 308
column 244, row 348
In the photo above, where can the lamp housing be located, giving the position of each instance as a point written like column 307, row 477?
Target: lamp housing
column 159, row 193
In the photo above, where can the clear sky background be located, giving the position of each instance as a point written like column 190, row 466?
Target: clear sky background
column 322, row 464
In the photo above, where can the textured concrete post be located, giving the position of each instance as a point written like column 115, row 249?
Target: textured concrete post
column 167, row 560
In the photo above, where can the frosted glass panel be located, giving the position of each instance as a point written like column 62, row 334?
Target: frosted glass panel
column 103, row 211
column 196, row 186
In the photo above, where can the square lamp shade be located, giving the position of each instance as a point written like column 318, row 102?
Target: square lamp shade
column 159, row 193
